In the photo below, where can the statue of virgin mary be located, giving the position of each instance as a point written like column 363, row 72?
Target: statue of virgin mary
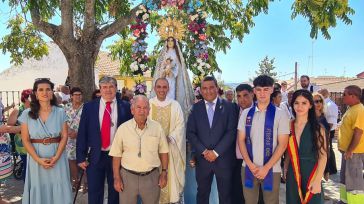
column 171, row 65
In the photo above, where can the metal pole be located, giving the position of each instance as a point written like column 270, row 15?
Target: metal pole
column 295, row 75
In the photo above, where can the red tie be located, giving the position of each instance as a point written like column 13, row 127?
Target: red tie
column 106, row 126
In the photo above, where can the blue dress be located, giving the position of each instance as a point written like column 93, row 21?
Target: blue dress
column 44, row 186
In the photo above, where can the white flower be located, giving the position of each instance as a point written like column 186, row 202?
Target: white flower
column 134, row 66
column 208, row 66
column 199, row 60
column 142, row 66
column 145, row 16
column 193, row 17
column 204, row 14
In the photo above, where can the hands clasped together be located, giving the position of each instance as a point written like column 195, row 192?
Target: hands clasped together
column 209, row 155
column 48, row 163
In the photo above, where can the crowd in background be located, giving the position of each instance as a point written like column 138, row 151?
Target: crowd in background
column 225, row 131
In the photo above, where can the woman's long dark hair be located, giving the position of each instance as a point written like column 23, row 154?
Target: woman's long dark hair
column 317, row 139
column 175, row 47
column 34, row 104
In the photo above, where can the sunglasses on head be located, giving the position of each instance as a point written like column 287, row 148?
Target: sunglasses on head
column 42, row 79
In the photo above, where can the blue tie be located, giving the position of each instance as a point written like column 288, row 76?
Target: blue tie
column 210, row 112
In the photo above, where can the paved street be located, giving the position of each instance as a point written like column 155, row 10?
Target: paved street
column 11, row 191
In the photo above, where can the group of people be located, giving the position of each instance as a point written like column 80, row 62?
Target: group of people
column 139, row 146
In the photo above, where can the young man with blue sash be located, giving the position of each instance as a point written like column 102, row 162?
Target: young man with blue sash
column 263, row 137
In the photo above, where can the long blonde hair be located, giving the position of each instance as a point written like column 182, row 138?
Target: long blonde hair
column 324, row 106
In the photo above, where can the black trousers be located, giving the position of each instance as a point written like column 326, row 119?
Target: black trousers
column 237, row 194
column 331, row 160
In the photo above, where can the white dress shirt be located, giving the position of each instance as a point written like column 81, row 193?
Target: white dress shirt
column 114, row 118
column 213, row 107
column 332, row 113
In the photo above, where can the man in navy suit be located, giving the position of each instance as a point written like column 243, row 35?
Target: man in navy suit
column 99, row 121
column 211, row 129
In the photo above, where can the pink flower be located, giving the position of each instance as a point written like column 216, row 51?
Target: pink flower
column 136, row 33
column 202, row 37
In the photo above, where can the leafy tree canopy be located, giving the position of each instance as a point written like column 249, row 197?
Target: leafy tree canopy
column 73, row 24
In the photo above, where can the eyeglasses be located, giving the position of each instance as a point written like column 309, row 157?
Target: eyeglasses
column 41, row 79
column 317, row 101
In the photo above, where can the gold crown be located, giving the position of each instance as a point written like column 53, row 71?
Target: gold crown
column 169, row 27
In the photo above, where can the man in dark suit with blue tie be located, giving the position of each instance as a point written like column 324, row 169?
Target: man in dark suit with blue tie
column 99, row 121
column 211, row 129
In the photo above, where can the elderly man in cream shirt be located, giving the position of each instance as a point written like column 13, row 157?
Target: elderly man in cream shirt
column 140, row 153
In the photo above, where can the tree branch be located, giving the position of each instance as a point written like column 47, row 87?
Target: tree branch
column 67, row 18
column 47, row 28
column 89, row 26
column 117, row 25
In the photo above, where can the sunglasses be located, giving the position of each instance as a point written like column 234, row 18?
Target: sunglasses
column 317, row 101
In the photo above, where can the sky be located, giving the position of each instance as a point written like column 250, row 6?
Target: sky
column 277, row 36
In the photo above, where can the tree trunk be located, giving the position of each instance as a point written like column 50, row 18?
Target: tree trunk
column 81, row 63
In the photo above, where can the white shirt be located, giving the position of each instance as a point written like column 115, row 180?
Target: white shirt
column 314, row 88
column 280, row 129
column 213, row 106
column 287, row 108
column 114, row 119
column 284, row 96
column 332, row 113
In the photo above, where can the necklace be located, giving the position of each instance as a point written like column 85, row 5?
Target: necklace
column 140, row 139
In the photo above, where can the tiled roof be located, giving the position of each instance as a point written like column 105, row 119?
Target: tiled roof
column 107, row 66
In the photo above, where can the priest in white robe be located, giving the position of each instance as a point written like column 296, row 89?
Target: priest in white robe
column 169, row 114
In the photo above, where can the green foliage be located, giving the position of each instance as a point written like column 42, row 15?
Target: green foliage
column 121, row 50
column 266, row 66
column 228, row 20
column 322, row 14
column 23, row 42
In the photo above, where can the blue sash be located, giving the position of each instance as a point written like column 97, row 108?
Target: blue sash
column 268, row 145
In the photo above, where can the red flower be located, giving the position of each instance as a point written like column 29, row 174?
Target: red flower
column 136, row 33
column 202, row 37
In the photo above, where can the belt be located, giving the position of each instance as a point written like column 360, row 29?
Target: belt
column 46, row 140
column 140, row 173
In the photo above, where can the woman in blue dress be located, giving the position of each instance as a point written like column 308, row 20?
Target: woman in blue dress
column 44, row 135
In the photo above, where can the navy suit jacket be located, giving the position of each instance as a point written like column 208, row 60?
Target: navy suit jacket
column 89, row 131
column 221, row 137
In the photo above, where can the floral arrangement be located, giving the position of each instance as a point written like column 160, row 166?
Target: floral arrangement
column 201, row 66
column 139, row 46
column 140, row 87
column 172, row 3
column 196, row 26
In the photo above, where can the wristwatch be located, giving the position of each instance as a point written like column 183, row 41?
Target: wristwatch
column 166, row 170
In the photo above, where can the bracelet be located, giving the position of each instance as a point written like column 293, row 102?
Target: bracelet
column 165, row 170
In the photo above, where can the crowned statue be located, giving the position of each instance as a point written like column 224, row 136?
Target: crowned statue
column 171, row 65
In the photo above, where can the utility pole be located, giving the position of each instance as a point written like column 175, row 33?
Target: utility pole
column 295, row 75
column 312, row 58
